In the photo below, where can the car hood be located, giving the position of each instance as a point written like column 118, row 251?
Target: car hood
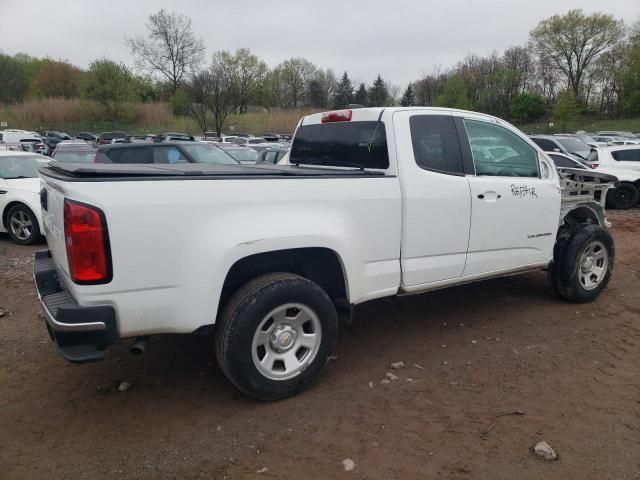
column 25, row 184
column 623, row 175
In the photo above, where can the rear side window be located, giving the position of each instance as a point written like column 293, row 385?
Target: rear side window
column 168, row 155
column 435, row 143
column 129, row 155
column 544, row 144
column 626, row 155
column 341, row 144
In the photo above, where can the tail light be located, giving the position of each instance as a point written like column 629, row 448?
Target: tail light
column 87, row 242
column 337, row 116
column 594, row 165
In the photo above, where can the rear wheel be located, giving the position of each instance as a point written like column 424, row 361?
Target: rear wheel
column 583, row 262
column 275, row 336
column 624, row 196
column 22, row 225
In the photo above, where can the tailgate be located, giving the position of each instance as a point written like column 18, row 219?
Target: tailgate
column 52, row 202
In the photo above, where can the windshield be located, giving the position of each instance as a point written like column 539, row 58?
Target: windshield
column 209, row 154
column 84, row 156
column 23, row 166
column 574, row 145
column 244, row 155
column 341, row 144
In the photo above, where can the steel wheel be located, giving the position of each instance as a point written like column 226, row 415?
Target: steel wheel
column 21, row 225
column 286, row 341
column 593, row 265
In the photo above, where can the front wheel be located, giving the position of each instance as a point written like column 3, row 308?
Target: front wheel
column 582, row 264
column 23, row 226
column 275, row 336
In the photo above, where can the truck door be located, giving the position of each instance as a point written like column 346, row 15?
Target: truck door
column 436, row 207
column 515, row 200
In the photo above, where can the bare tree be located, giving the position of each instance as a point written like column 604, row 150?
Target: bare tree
column 223, row 96
column 171, row 49
column 573, row 41
column 199, row 91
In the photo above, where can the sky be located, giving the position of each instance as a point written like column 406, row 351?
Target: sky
column 399, row 39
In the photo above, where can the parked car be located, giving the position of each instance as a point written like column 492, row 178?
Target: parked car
column 175, row 137
column 32, row 139
column 571, row 146
column 272, row 155
column 240, row 153
column 89, row 137
column 617, row 133
column 269, row 258
column 272, row 137
column 76, row 152
column 20, row 196
column 15, row 147
column 107, row 137
column 164, row 153
column 626, row 193
column 53, row 138
column 212, row 136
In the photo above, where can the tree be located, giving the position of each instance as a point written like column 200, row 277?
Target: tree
column 291, row 79
column 13, row 80
column 316, row 94
column 251, row 73
column 170, row 49
column 527, row 107
column 408, row 98
column 112, row 86
column 454, row 94
column 566, row 109
column 572, row 42
column 223, row 88
column 199, row 91
column 361, row 95
column 378, row 94
column 343, row 95
column 57, row 79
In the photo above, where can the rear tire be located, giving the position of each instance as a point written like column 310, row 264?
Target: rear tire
column 624, row 196
column 276, row 335
column 583, row 262
column 23, row 226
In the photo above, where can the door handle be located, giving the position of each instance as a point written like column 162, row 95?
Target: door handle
column 490, row 196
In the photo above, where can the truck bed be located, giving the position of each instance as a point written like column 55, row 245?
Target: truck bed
column 100, row 172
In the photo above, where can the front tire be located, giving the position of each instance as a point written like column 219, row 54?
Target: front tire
column 23, row 226
column 583, row 262
column 623, row 197
column 276, row 335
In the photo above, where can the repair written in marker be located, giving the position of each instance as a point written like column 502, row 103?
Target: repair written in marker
column 523, row 191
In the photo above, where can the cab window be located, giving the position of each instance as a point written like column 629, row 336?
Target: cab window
column 499, row 152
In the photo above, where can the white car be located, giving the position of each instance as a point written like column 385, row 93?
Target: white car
column 624, row 196
column 621, row 161
column 20, row 196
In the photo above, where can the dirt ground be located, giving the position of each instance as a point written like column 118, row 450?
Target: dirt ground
column 474, row 356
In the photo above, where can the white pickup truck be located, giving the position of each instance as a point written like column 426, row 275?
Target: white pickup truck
column 373, row 203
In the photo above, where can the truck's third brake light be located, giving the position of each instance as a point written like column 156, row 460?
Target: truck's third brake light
column 86, row 239
column 337, row 116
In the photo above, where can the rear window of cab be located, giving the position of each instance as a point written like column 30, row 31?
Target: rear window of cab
column 341, row 144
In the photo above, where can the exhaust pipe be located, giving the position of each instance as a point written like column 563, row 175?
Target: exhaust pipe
column 138, row 346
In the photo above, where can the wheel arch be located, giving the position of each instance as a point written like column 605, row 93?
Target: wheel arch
column 585, row 214
column 321, row 265
column 10, row 205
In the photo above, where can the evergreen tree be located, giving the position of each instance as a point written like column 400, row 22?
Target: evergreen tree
column 317, row 95
column 379, row 93
column 361, row 95
column 408, row 97
column 344, row 92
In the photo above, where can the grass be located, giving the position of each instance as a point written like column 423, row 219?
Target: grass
column 74, row 115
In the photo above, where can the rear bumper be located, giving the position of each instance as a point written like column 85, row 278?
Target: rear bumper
column 81, row 333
